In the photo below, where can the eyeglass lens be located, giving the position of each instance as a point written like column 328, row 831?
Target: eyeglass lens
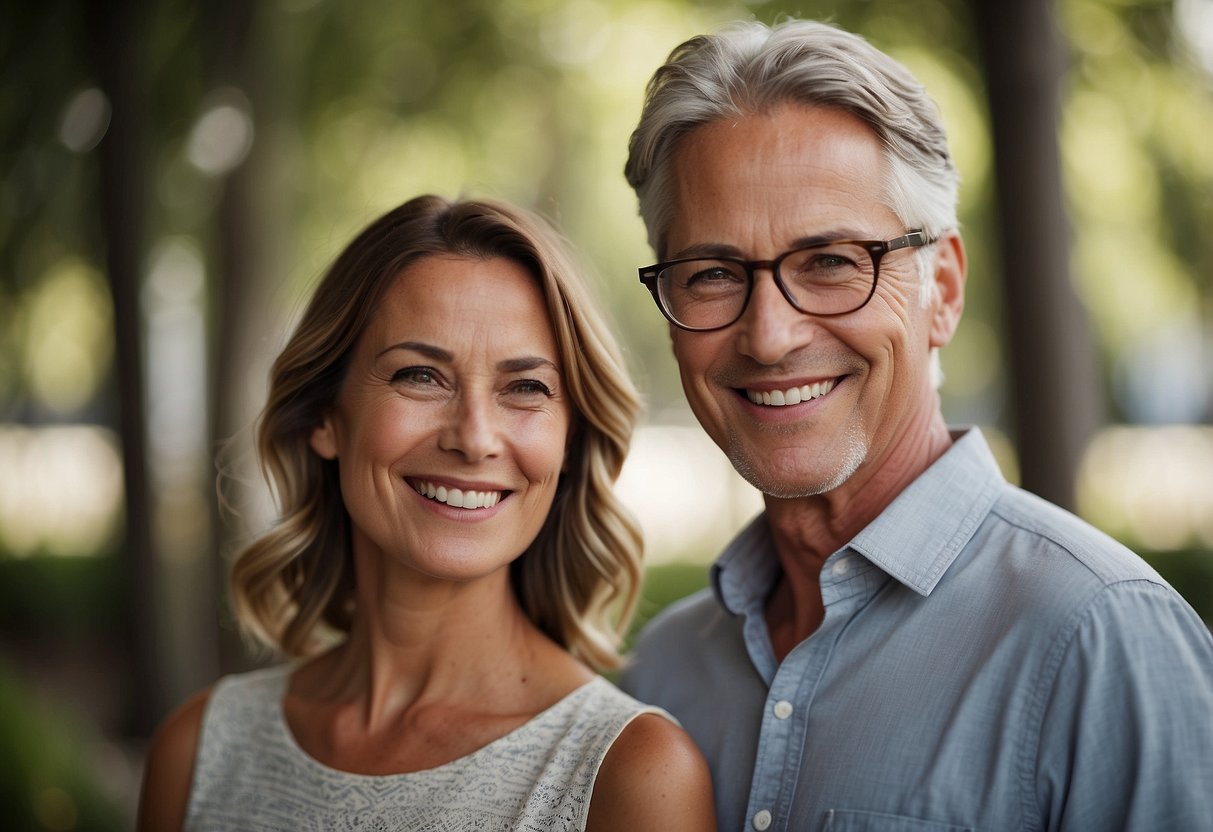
column 822, row 280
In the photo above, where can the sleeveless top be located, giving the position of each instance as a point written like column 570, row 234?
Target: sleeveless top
column 250, row 774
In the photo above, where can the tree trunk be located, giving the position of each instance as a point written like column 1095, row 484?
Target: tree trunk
column 1055, row 387
column 247, row 217
column 123, row 190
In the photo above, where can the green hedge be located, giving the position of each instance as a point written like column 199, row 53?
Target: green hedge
column 48, row 780
column 1190, row 571
column 62, row 597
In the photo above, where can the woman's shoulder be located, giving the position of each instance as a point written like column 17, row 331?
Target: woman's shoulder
column 653, row 777
column 169, row 766
column 173, row 753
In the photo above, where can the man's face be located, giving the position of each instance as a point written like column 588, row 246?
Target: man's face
column 755, row 188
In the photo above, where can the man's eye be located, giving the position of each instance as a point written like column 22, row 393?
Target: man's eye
column 713, row 274
column 831, row 261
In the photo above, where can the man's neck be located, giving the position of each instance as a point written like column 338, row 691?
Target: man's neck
column 807, row 530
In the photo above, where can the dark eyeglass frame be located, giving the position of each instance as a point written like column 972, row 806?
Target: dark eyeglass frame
column 876, row 249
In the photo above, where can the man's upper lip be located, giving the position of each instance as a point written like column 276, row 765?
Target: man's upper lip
column 786, row 384
column 462, row 485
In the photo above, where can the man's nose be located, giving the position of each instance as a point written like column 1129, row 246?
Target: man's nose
column 771, row 328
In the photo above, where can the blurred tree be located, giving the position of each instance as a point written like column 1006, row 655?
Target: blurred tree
column 1057, row 401
column 257, row 137
column 116, row 34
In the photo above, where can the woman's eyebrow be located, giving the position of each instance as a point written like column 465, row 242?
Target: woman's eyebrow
column 521, row 365
column 428, row 350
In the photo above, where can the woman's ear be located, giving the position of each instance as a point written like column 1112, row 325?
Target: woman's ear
column 324, row 439
column 948, row 289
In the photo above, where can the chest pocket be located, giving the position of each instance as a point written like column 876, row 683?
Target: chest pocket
column 848, row 820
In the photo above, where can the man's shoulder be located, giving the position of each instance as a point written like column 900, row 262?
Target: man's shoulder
column 1073, row 544
column 692, row 638
column 682, row 619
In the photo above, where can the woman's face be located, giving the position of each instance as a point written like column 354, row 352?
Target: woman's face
column 452, row 423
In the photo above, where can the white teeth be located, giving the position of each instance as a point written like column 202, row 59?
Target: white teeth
column 456, row 497
column 793, row 395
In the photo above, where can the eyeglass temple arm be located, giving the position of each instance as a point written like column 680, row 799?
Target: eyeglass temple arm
column 914, row 238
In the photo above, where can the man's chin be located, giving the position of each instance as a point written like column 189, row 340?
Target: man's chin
column 809, row 478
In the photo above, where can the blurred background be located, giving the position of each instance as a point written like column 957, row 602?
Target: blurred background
column 174, row 176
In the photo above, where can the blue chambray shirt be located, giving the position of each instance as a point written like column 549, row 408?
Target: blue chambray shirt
column 987, row 661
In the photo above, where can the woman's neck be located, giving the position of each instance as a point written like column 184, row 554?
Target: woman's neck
column 417, row 640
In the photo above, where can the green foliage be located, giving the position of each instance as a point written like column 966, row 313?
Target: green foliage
column 49, row 780
column 663, row 585
column 1190, row 571
column 59, row 597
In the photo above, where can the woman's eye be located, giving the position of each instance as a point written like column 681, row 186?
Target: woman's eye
column 532, row 387
column 414, row 375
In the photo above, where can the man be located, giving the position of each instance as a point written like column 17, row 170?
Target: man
column 901, row 640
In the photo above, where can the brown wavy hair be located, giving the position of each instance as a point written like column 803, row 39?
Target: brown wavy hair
column 578, row 580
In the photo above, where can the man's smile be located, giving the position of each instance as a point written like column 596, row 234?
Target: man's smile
column 792, row 395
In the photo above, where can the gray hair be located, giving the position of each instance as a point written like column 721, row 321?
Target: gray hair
column 748, row 67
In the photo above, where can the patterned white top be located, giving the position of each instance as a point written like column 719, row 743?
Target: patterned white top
column 250, row 774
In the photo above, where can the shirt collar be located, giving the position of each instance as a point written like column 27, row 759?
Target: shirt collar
column 746, row 570
column 915, row 539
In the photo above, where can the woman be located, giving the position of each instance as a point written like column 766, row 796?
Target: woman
column 442, row 431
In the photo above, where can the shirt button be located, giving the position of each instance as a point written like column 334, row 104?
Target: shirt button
column 783, row 709
column 842, row 566
column 761, row 820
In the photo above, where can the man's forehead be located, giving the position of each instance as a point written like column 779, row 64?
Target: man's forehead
column 776, row 178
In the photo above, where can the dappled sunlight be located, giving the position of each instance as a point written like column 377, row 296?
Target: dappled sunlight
column 222, row 136
column 68, row 336
column 1110, row 175
column 178, row 425
column 1150, row 486
column 1127, row 119
column 1194, row 23
column 85, row 119
column 684, row 492
column 60, row 489
column 972, row 360
column 575, row 32
column 963, row 118
column 1132, row 284
column 1165, row 376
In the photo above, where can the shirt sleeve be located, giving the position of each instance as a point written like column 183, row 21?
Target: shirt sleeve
column 1126, row 716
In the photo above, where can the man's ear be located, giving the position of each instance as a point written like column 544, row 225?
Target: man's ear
column 948, row 289
column 324, row 439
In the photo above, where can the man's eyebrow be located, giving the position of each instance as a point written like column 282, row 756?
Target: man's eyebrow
column 726, row 250
column 428, row 350
column 525, row 363
column 706, row 250
column 830, row 237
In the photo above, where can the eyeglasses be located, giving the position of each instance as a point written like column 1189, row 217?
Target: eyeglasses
column 701, row 294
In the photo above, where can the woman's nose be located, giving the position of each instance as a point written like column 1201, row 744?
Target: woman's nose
column 472, row 428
